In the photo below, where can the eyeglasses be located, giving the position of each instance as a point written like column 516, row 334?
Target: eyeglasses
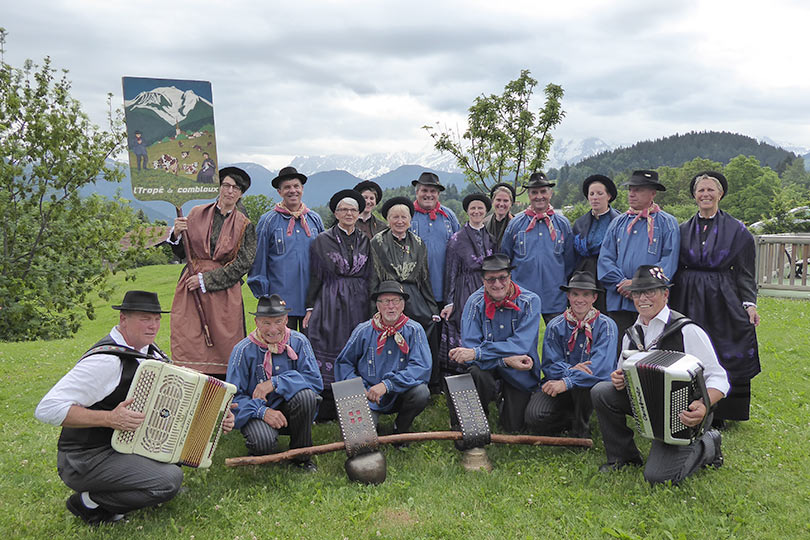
column 347, row 211
column 499, row 279
column 229, row 187
column 649, row 293
column 390, row 301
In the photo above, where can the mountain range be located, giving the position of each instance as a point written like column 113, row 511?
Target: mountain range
column 158, row 112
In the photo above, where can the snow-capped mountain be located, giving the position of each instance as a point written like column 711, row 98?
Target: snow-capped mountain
column 169, row 103
column 374, row 165
column 798, row 150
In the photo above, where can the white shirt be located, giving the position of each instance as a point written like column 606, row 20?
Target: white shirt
column 90, row 381
column 695, row 342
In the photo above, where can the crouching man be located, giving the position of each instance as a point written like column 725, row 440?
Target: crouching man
column 89, row 403
column 660, row 330
column 277, row 383
column 390, row 354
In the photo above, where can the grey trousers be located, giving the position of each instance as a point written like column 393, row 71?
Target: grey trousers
column 408, row 406
column 571, row 411
column 261, row 439
column 666, row 461
column 118, row 482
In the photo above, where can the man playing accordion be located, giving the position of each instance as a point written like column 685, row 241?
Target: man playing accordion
column 666, row 462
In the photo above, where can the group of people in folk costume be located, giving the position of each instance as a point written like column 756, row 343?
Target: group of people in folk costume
column 403, row 302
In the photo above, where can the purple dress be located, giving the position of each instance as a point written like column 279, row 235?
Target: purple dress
column 466, row 250
column 715, row 276
column 337, row 293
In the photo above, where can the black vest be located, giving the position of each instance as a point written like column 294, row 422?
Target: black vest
column 76, row 439
column 671, row 338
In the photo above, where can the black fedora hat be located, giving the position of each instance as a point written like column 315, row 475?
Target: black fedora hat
column 140, row 301
column 582, row 280
column 428, row 179
column 506, row 185
column 393, row 201
column 539, row 180
column 649, row 277
column 368, row 185
column 286, row 174
column 645, row 178
column 389, row 287
column 496, row 263
column 714, row 174
column 238, row 175
column 350, row 193
column 271, row 306
column 605, row 181
column 477, row 197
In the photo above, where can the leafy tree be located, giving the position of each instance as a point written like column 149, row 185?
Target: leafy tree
column 504, row 141
column 256, row 206
column 57, row 249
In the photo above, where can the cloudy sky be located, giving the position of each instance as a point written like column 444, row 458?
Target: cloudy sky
column 359, row 77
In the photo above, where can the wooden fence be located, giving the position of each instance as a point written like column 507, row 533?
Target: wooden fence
column 782, row 262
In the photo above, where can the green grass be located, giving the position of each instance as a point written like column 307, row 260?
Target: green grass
column 763, row 491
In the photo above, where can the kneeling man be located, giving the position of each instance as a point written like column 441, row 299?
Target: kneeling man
column 391, row 354
column 89, row 403
column 277, row 383
column 660, row 330
column 579, row 350
column 499, row 330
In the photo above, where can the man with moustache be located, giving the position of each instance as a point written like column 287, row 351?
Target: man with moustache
column 283, row 238
column 367, row 223
column 660, row 329
column 645, row 234
column 579, row 350
column 503, row 197
column 390, row 354
column 499, row 330
column 277, row 383
column 540, row 244
column 89, row 402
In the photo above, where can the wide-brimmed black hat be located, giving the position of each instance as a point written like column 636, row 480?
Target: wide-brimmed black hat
column 496, row 263
column 506, row 185
column 428, row 179
column 649, row 277
column 238, row 175
column 393, row 201
column 389, row 287
column 476, row 197
column 368, row 185
column 538, row 180
column 287, row 173
column 271, row 306
column 140, row 301
column 605, row 181
column 350, row 193
column 582, row 280
column 645, row 178
column 713, row 174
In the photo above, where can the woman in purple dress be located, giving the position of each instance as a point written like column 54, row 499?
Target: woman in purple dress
column 715, row 287
column 337, row 297
column 466, row 250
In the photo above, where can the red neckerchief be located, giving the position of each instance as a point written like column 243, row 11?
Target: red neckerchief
column 293, row 216
column 431, row 213
column 543, row 216
column 491, row 305
column 273, row 348
column 646, row 214
column 387, row 331
column 586, row 324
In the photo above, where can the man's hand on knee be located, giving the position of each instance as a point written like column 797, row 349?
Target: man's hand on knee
column 275, row 419
column 617, row 378
column 520, row 362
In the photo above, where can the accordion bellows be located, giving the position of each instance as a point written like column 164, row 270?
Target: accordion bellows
column 661, row 384
column 184, row 411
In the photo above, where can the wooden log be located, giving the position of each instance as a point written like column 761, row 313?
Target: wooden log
column 535, row 440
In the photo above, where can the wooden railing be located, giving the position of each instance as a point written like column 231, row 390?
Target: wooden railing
column 782, row 262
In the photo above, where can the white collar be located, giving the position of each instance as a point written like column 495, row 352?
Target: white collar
column 118, row 337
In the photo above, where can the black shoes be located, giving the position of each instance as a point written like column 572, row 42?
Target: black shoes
column 93, row 516
column 618, row 465
column 714, row 437
column 307, row 466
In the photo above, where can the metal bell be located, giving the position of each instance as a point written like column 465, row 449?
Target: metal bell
column 367, row 468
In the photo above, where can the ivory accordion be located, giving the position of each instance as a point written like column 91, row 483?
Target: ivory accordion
column 661, row 384
column 184, row 411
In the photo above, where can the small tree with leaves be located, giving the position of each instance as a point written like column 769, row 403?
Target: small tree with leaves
column 504, row 141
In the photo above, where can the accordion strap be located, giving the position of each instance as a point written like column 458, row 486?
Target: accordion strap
column 636, row 335
column 127, row 352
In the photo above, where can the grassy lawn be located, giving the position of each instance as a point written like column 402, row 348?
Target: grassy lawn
column 763, row 491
